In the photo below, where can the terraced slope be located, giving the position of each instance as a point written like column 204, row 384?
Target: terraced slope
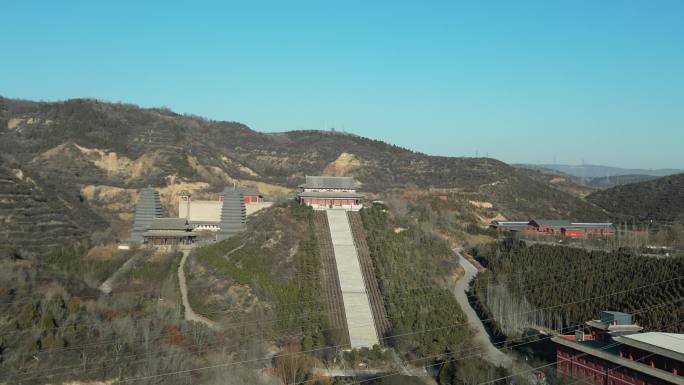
column 32, row 221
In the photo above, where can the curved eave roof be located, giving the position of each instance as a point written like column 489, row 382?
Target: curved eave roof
column 168, row 234
column 331, row 194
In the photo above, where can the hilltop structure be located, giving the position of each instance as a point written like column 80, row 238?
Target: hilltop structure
column 327, row 192
column 612, row 351
column 147, row 210
column 226, row 216
column 206, row 214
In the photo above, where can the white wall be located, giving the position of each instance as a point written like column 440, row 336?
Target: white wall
column 200, row 211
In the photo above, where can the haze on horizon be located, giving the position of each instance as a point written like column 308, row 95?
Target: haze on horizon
column 524, row 82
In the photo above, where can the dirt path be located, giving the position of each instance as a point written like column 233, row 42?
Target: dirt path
column 491, row 353
column 190, row 315
column 108, row 285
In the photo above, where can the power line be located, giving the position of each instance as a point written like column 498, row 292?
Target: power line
column 445, row 327
column 278, row 306
column 337, row 346
column 498, row 379
column 556, row 361
column 443, row 292
column 229, row 364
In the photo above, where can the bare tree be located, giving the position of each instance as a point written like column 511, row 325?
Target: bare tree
column 291, row 364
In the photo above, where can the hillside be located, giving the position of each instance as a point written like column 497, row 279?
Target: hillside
column 617, row 180
column 266, row 281
column 269, row 271
column 659, row 200
column 102, row 153
column 36, row 217
column 74, row 334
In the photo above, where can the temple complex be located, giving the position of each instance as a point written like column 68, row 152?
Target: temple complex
column 327, row 192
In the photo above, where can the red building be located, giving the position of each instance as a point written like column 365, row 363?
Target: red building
column 590, row 228
column 561, row 227
column 572, row 233
column 612, row 351
column 550, row 226
column 323, row 192
column 251, row 195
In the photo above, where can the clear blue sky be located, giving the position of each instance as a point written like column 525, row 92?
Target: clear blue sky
column 523, row 81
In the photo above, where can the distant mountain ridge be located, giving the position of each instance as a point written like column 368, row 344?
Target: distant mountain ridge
column 598, row 171
column 586, row 184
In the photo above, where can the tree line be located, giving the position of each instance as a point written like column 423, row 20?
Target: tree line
column 558, row 287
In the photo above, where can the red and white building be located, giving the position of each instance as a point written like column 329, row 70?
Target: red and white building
column 327, row 192
column 559, row 227
column 206, row 214
column 612, row 351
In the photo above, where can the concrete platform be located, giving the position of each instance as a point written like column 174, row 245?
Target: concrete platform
column 356, row 303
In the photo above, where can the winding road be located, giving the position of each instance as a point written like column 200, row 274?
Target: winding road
column 491, row 353
column 190, row 314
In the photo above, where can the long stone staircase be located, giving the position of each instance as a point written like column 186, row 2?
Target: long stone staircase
column 330, row 281
column 357, row 307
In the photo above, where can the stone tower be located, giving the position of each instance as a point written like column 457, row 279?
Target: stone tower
column 233, row 213
column 146, row 210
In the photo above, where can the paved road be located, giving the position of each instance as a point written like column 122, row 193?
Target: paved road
column 190, row 315
column 492, row 354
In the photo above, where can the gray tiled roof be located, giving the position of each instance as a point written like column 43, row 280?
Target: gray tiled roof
column 341, row 182
column 169, row 224
column 329, row 194
column 569, row 224
column 583, row 225
column 168, row 233
column 552, row 222
column 511, row 223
